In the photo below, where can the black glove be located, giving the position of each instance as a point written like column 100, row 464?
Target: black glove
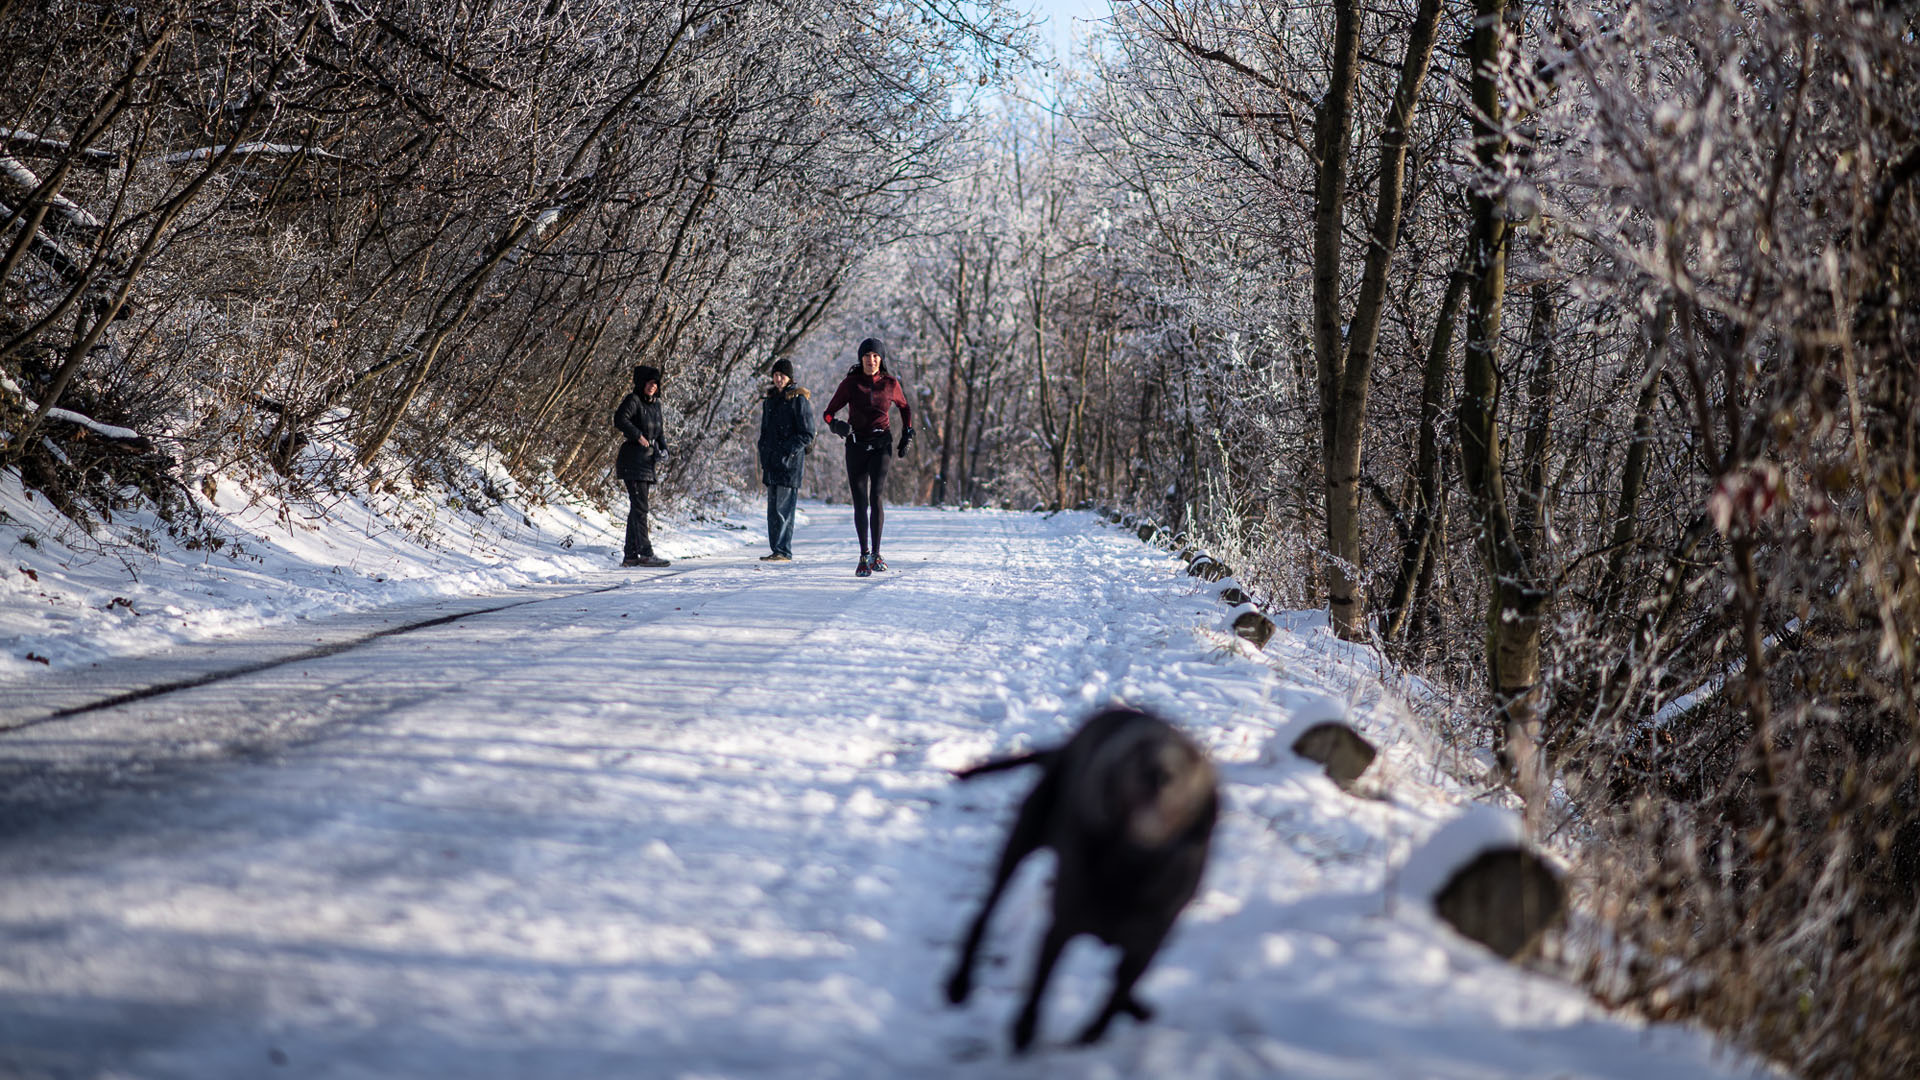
column 906, row 440
column 840, row 428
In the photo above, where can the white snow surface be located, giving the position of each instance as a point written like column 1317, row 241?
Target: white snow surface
column 73, row 598
column 700, row 824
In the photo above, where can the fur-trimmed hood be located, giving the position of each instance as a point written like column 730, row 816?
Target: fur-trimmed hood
column 793, row 390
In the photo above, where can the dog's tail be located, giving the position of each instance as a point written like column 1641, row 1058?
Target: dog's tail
column 1038, row 757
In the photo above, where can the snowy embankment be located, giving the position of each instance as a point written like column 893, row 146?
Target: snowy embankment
column 70, row 598
column 700, row 824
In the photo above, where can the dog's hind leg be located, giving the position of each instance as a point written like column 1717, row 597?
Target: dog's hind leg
column 1133, row 963
column 1029, row 832
column 1029, row 1020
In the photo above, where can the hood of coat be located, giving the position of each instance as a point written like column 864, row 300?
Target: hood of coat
column 792, row 391
column 644, row 374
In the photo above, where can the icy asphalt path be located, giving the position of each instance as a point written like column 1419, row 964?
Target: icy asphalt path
column 701, row 826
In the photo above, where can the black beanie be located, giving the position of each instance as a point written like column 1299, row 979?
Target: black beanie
column 871, row 345
column 644, row 374
column 783, row 366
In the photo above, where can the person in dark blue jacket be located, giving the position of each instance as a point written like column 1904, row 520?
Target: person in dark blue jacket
column 786, row 430
column 638, row 418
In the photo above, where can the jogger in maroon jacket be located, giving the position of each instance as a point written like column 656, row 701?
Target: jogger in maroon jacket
column 869, row 393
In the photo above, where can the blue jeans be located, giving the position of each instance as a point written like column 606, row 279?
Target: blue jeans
column 780, row 503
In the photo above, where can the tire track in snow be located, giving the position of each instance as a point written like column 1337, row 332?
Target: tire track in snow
column 304, row 656
column 253, row 711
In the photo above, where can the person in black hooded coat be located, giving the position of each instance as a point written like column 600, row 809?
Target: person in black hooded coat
column 638, row 418
column 786, row 430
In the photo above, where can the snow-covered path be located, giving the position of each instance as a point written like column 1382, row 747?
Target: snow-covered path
column 700, row 825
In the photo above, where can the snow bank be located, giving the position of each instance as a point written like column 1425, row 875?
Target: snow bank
column 71, row 597
column 1479, row 828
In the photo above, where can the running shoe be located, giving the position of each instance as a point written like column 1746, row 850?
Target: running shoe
column 876, row 563
column 865, row 569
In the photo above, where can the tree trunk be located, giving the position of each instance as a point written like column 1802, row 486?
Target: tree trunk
column 1346, row 604
column 953, row 377
column 1516, row 602
column 1416, row 554
column 1537, row 441
column 1633, row 474
column 1331, row 134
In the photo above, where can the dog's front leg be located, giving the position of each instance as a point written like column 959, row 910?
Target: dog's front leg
column 1029, row 1021
column 1133, row 963
column 960, row 983
column 1029, row 831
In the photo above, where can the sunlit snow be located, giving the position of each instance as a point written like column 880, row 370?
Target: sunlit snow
column 700, row 824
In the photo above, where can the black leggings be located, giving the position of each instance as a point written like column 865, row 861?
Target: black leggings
column 867, row 476
column 638, row 542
